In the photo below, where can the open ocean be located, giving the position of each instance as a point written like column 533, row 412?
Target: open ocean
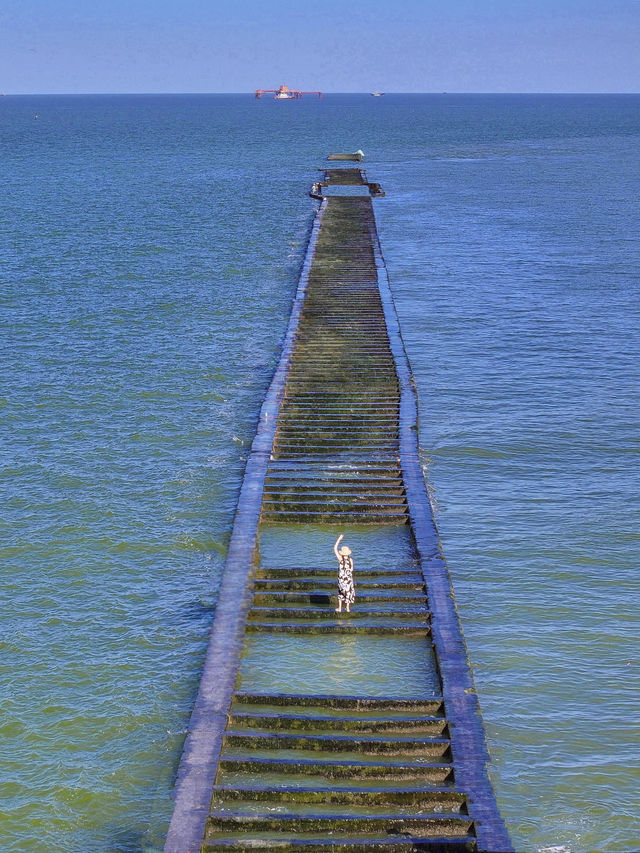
column 149, row 253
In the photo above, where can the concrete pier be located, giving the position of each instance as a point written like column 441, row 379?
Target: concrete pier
column 393, row 756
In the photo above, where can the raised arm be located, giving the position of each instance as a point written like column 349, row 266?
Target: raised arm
column 335, row 547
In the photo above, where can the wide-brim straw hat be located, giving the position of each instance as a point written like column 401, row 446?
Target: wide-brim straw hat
column 344, row 550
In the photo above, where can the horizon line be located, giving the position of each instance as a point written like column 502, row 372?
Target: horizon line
column 324, row 92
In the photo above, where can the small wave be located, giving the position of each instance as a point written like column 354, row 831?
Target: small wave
column 205, row 543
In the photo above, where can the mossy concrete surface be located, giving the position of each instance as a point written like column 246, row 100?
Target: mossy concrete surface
column 349, row 731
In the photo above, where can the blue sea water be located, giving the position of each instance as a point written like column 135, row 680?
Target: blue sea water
column 149, row 252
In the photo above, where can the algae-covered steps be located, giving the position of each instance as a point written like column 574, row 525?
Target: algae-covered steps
column 316, row 729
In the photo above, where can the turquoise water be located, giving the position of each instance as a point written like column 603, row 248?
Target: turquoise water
column 150, row 250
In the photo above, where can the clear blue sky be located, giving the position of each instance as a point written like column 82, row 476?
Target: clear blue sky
column 74, row 46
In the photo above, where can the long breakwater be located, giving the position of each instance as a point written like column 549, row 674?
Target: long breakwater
column 274, row 758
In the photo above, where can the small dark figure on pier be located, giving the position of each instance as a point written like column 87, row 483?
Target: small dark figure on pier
column 346, row 587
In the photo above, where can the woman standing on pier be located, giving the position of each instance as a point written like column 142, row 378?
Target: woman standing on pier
column 346, row 588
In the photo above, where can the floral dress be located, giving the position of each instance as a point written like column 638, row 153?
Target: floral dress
column 346, row 588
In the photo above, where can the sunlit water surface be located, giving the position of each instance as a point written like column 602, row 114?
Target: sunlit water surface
column 150, row 250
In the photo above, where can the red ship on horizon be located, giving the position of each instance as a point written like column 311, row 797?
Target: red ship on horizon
column 284, row 93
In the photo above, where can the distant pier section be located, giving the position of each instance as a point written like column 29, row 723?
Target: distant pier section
column 357, row 156
column 313, row 729
column 345, row 178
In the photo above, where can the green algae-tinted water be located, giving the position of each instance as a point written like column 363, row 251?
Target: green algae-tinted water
column 149, row 254
column 342, row 665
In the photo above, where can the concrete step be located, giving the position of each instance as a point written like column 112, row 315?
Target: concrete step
column 312, row 501
column 341, row 503
column 357, row 802
column 328, row 437
column 422, row 825
column 333, row 500
column 353, row 457
column 364, row 504
column 374, row 379
column 326, row 584
column 353, row 843
column 328, row 598
column 347, row 381
column 336, row 422
column 423, row 796
column 365, row 407
column 322, row 317
column 329, row 475
column 348, row 420
column 343, row 381
column 359, row 468
column 326, row 448
column 308, row 406
column 348, row 423
column 353, row 469
column 327, row 479
column 324, row 478
column 336, row 768
column 320, row 474
column 364, row 495
column 319, row 491
column 324, row 470
column 340, row 626
column 334, row 517
column 323, row 314
column 412, row 612
column 350, row 369
column 350, row 374
column 351, row 426
column 312, row 722
column 431, row 747
column 326, row 351
column 371, row 408
column 351, row 805
column 332, row 348
column 372, row 400
column 353, row 373
column 357, row 705
column 325, row 323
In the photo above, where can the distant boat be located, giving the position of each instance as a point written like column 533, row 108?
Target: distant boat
column 377, row 94
column 284, row 93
